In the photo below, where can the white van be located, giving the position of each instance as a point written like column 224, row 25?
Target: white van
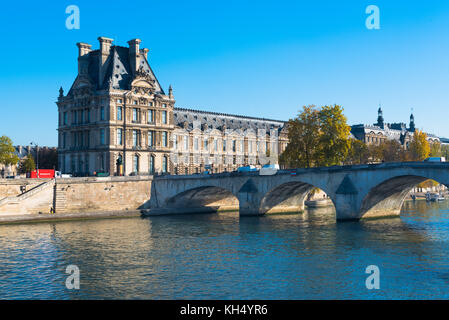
column 60, row 175
column 269, row 170
column 435, row 159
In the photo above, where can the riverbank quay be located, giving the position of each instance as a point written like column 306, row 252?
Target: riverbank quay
column 43, row 197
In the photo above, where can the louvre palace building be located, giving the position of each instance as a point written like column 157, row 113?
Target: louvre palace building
column 380, row 132
column 116, row 118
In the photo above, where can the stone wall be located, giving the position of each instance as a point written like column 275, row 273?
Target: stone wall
column 11, row 187
column 35, row 200
column 102, row 194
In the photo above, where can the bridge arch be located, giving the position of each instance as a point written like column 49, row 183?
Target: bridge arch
column 286, row 197
column 388, row 196
column 207, row 198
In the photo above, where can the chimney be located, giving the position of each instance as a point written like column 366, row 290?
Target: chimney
column 105, row 49
column 145, row 52
column 134, row 54
column 83, row 60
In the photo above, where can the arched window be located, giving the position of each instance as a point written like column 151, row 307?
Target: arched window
column 136, row 163
column 164, row 164
column 101, row 163
column 151, row 165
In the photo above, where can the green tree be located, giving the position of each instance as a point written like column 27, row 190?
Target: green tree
column 317, row 137
column 7, row 152
column 428, row 184
column 334, row 139
column 303, row 135
column 445, row 151
column 435, row 149
column 27, row 164
column 391, row 151
column 359, row 152
column 419, row 146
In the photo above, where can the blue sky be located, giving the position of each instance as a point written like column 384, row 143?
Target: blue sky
column 257, row 58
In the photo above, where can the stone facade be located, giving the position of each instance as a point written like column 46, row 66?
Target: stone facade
column 115, row 113
column 219, row 142
column 116, row 118
column 380, row 132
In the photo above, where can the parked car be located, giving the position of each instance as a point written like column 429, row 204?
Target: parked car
column 249, row 168
column 59, row 174
column 435, row 159
column 269, row 170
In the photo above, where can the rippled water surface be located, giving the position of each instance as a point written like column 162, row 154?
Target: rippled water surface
column 222, row 256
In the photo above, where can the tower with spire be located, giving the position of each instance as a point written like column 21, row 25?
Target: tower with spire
column 412, row 123
column 380, row 118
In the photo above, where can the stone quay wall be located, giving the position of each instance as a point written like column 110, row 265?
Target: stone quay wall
column 102, row 194
column 75, row 195
column 11, row 187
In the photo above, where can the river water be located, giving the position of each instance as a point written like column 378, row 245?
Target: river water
column 222, row 256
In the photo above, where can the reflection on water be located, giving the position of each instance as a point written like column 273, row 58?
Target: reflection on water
column 222, row 256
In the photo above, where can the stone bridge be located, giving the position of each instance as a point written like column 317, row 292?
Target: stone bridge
column 358, row 191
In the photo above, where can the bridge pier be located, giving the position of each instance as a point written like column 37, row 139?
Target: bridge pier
column 346, row 207
column 249, row 204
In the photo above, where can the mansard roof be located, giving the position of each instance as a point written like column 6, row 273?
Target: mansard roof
column 220, row 121
column 119, row 74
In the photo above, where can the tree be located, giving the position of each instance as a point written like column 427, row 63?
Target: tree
column 428, row 184
column 359, row 152
column 391, row 151
column 303, row 135
column 334, row 141
column 419, row 146
column 7, row 152
column 435, row 149
column 445, row 151
column 27, row 164
column 317, row 137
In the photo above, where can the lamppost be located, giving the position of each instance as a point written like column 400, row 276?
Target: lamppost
column 37, row 157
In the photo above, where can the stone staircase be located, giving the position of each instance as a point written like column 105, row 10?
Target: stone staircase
column 60, row 200
column 35, row 200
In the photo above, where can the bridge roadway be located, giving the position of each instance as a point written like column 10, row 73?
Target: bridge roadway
column 357, row 191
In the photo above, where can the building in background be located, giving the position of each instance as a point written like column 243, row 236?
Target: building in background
column 116, row 118
column 380, row 132
column 23, row 152
column 219, row 142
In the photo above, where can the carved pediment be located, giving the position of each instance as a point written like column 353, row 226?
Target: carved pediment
column 142, row 83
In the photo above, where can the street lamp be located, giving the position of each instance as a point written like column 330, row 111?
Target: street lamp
column 37, row 157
